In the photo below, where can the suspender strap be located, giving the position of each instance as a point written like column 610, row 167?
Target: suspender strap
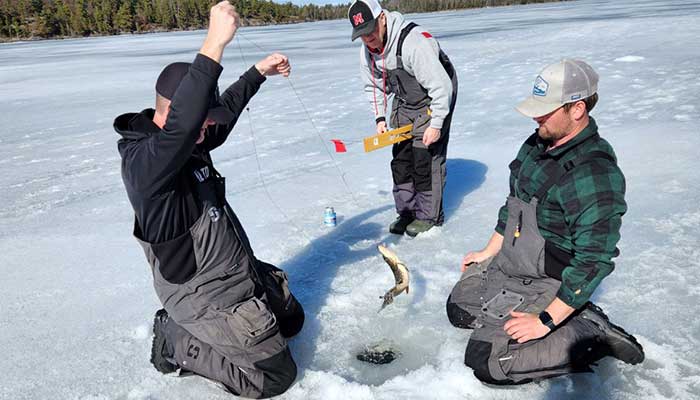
column 399, row 45
column 559, row 171
column 594, row 155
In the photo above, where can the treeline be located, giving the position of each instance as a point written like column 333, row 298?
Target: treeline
column 32, row 19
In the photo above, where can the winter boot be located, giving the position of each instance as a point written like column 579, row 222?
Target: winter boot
column 614, row 341
column 398, row 227
column 161, row 355
column 418, row 226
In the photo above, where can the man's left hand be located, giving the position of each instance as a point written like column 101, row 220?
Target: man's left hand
column 274, row 64
column 523, row 327
column 430, row 136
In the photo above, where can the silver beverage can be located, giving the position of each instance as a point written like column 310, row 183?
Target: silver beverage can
column 329, row 218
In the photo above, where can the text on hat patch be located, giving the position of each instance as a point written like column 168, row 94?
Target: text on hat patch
column 541, row 86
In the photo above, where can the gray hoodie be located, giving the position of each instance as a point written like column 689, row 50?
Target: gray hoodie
column 420, row 55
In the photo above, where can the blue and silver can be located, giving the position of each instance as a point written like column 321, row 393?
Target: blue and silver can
column 329, row 217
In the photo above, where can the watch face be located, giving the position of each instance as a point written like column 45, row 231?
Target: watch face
column 546, row 320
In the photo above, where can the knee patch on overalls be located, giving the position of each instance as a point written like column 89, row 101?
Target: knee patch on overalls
column 422, row 169
column 477, row 358
column 458, row 317
column 401, row 163
column 279, row 372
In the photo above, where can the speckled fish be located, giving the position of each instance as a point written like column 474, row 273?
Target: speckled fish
column 400, row 272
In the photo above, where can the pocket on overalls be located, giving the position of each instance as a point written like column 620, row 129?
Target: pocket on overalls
column 420, row 124
column 224, row 290
column 252, row 322
column 500, row 306
column 537, row 293
column 276, row 287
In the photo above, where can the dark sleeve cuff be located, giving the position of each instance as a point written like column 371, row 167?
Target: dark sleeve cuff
column 501, row 228
column 207, row 65
column 380, row 119
column 254, row 76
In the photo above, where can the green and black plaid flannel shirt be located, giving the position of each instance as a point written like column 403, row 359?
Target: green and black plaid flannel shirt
column 581, row 214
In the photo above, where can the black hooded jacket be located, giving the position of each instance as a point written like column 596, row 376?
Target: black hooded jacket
column 161, row 167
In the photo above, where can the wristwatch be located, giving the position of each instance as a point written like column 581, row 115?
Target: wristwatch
column 546, row 320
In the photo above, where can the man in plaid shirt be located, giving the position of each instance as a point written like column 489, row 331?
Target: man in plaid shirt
column 526, row 294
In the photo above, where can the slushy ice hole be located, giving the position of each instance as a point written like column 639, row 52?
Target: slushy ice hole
column 380, row 353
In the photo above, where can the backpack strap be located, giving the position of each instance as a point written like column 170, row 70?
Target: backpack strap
column 399, row 46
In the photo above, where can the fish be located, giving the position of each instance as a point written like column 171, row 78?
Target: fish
column 400, row 272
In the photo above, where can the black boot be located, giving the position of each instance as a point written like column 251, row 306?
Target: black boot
column 613, row 340
column 398, row 227
column 161, row 354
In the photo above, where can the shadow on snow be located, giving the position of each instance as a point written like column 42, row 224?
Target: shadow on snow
column 314, row 268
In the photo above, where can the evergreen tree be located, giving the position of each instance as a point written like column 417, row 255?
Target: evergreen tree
column 79, row 19
column 63, row 18
column 21, row 19
column 50, row 23
column 124, row 20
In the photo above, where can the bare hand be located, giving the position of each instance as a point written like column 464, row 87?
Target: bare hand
column 523, row 327
column 473, row 257
column 381, row 127
column 223, row 23
column 274, row 64
column 430, row 136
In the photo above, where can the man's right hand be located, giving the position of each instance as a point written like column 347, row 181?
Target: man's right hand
column 381, row 127
column 223, row 23
column 474, row 257
column 492, row 248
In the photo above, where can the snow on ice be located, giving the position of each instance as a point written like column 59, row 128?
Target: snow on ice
column 77, row 299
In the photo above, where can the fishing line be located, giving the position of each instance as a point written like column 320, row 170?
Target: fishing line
column 319, row 254
column 259, row 166
column 311, row 120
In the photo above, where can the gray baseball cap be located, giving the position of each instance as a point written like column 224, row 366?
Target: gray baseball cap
column 557, row 84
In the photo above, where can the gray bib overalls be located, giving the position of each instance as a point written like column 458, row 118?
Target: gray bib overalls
column 418, row 171
column 515, row 279
column 228, row 319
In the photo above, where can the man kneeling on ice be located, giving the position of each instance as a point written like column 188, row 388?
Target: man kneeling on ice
column 526, row 293
column 227, row 315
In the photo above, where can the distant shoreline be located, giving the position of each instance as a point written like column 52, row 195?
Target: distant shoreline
column 5, row 40
column 406, row 7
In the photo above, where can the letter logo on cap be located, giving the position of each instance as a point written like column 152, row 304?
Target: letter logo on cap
column 357, row 19
column 541, row 87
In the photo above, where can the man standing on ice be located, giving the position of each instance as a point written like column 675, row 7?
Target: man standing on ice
column 403, row 59
column 227, row 315
column 526, row 294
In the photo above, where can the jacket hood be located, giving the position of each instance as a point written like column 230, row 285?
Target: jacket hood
column 134, row 126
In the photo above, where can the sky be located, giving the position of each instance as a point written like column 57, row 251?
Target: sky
column 78, row 301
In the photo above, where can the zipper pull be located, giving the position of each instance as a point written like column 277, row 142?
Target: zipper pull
column 519, row 226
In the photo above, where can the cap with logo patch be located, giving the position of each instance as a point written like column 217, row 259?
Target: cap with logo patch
column 363, row 16
column 169, row 80
column 560, row 83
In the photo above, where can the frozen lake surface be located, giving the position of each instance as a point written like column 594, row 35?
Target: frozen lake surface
column 77, row 299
